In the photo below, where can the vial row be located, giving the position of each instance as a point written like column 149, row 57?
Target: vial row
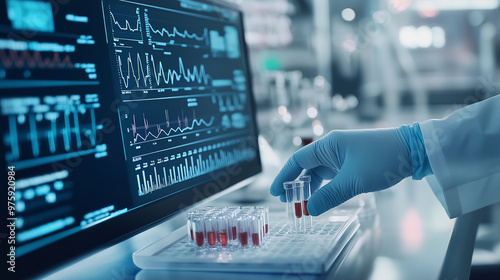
column 223, row 227
column 298, row 193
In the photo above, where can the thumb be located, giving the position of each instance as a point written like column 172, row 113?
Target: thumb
column 339, row 190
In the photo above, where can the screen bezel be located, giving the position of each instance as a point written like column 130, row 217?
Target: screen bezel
column 128, row 224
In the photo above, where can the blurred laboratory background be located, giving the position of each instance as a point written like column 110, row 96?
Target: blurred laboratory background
column 320, row 65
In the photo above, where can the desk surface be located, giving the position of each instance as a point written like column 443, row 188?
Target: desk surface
column 407, row 241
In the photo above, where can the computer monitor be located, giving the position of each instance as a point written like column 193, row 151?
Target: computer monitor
column 114, row 115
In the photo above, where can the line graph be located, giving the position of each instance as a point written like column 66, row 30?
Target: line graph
column 176, row 33
column 156, row 131
column 131, row 72
column 126, row 24
column 34, row 60
column 165, row 33
column 171, row 76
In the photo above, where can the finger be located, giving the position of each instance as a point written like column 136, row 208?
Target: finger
column 283, row 197
column 316, row 180
column 302, row 159
column 331, row 195
column 288, row 173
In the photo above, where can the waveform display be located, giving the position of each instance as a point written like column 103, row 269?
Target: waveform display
column 44, row 63
column 126, row 23
column 189, row 167
column 138, row 72
column 23, row 59
column 195, row 74
column 182, row 124
column 176, row 33
column 165, row 33
column 40, row 131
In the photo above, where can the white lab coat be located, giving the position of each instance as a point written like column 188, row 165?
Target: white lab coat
column 464, row 153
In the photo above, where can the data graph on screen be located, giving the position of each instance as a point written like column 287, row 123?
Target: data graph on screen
column 13, row 59
column 126, row 23
column 158, row 53
column 196, row 74
column 144, row 131
column 45, row 63
column 184, row 92
column 172, row 140
column 41, row 131
column 174, row 33
column 133, row 71
column 194, row 163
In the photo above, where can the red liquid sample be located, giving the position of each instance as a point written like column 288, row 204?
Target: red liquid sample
column 211, row 238
column 255, row 239
column 235, row 235
column 298, row 210
column 244, row 239
column 192, row 235
column 199, row 239
column 305, row 208
column 223, row 238
column 267, row 228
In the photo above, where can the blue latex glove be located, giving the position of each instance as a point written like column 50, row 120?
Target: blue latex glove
column 356, row 161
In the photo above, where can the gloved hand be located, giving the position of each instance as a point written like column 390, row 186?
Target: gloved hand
column 357, row 161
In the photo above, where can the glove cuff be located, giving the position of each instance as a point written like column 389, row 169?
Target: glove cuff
column 419, row 160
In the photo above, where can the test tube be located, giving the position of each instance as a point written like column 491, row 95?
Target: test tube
column 266, row 218
column 189, row 221
column 298, row 197
column 223, row 229
column 211, row 229
column 198, row 222
column 243, row 229
column 256, row 230
column 306, row 179
column 260, row 215
column 233, row 227
column 233, row 210
column 288, row 186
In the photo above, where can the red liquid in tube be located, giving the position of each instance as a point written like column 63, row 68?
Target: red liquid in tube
column 211, row 238
column 244, row 239
column 305, row 208
column 235, row 235
column 223, row 238
column 192, row 235
column 267, row 228
column 199, row 239
column 298, row 210
column 255, row 239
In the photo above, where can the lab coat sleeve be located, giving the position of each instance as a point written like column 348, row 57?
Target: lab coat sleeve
column 464, row 153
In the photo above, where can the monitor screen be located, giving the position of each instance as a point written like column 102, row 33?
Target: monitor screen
column 116, row 114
